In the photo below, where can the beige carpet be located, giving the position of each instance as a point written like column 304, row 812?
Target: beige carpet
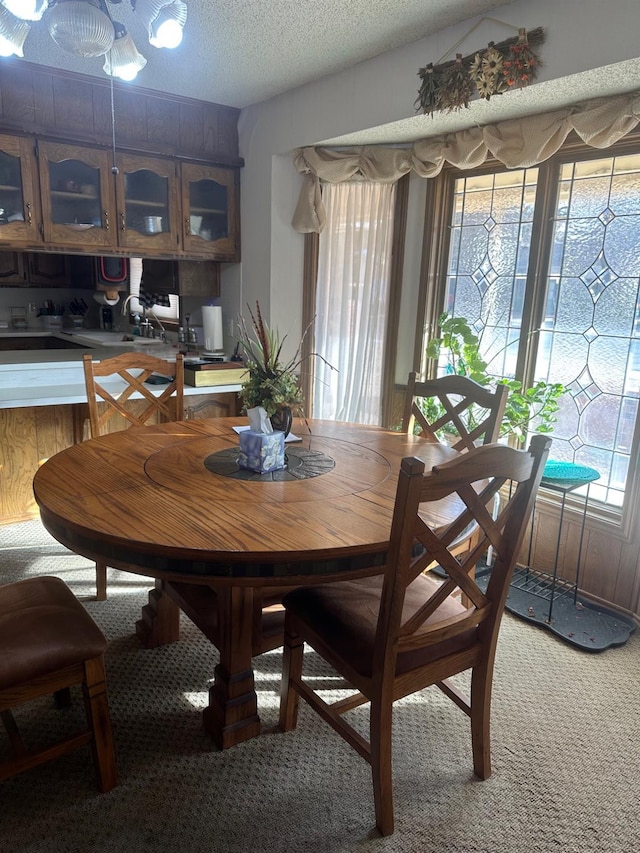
column 566, row 752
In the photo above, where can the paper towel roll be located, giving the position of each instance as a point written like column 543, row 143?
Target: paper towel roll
column 103, row 298
column 212, row 328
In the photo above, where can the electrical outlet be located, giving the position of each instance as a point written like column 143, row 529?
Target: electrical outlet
column 32, row 308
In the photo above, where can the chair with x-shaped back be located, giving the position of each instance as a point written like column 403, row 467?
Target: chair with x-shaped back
column 392, row 635
column 468, row 410
column 119, row 396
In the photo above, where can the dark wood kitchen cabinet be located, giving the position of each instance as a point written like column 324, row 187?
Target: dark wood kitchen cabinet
column 19, row 209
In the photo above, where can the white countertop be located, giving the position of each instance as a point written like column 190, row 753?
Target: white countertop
column 56, row 377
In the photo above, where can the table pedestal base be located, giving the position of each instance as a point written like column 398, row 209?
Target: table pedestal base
column 227, row 617
column 160, row 622
column 232, row 715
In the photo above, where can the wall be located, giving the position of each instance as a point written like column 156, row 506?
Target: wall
column 580, row 37
column 591, row 49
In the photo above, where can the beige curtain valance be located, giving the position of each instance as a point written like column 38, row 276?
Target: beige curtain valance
column 517, row 143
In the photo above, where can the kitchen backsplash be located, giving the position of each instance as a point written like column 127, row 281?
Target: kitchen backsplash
column 41, row 299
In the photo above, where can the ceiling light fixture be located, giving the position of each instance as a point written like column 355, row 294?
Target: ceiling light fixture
column 86, row 28
column 165, row 20
column 123, row 60
column 13, row 32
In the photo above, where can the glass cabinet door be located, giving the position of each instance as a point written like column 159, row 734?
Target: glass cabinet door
column 147, row 203
column 210, row 207
column 77, row 195
column 18, row 218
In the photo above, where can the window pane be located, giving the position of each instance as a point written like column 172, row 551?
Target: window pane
column 489, row 259
column 591, row 339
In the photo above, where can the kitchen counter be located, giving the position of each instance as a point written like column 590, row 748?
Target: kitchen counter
column 56, row 377
column 43, row 403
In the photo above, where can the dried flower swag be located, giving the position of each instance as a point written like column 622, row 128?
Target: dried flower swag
column 511, row 64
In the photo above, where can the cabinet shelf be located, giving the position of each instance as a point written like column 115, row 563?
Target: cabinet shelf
column 9, row 188
column 75, row 196
column 211, row 211
column 140, row 202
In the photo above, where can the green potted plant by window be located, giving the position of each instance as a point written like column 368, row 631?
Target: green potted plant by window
column 535, row 406
column 273, row 382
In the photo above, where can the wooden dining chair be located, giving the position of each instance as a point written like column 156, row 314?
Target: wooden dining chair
column 466, row 411
column 392, row 635
column 469, row 411
column 48, row 644
column 113, row 406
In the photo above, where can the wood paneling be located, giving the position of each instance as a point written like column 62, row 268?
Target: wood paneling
column 31, row 435
column 49, row 102
column 28, row 436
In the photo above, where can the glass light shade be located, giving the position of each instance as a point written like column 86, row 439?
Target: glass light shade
column 80, row 27
column 165, row 31
column 165, row 20
column 123, row 60
column 13, row 32
column 27, row 10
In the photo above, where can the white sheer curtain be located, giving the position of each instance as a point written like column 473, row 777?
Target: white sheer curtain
column 352, row 299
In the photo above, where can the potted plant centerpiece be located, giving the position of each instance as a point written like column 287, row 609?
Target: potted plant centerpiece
column 272, row 383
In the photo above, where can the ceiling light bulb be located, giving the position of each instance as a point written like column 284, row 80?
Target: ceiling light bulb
column 123, row 60
column 13, row 32
column 165, row 32
column 26, row 10
column 164, row 19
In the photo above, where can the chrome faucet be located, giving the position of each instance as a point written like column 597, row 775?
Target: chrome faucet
column 125, row 303
column 146, row 326
column 163, row 333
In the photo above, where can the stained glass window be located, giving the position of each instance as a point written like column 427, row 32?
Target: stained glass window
column 586, row 333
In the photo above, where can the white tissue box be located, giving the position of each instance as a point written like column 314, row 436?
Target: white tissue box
column 261, row 452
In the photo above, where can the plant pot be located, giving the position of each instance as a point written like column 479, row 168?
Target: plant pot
column 282, row 419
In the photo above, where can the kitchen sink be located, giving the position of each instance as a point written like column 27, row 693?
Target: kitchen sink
column 38, row 342
column 101, row 338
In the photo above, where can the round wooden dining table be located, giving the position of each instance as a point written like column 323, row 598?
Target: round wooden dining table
column 170, row 502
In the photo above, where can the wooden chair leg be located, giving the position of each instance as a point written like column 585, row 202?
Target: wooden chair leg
column 96, row 704
column 18, row 746
column 101, row 581
column 481, row 683
column 291, row 669
column 381, row 770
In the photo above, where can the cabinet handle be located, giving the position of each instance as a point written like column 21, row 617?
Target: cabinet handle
column 106, row 220
column 123, row 226
column 187, row 225
column 29, row 212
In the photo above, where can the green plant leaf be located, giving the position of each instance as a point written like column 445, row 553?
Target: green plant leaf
column 458, row 347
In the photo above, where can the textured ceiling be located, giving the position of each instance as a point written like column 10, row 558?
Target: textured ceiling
column 240, row 52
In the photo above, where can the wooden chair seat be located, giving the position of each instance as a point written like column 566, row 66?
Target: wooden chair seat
column 49, row 643
column 347, row 612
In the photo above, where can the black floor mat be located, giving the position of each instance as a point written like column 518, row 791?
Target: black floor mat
column 579, row 622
